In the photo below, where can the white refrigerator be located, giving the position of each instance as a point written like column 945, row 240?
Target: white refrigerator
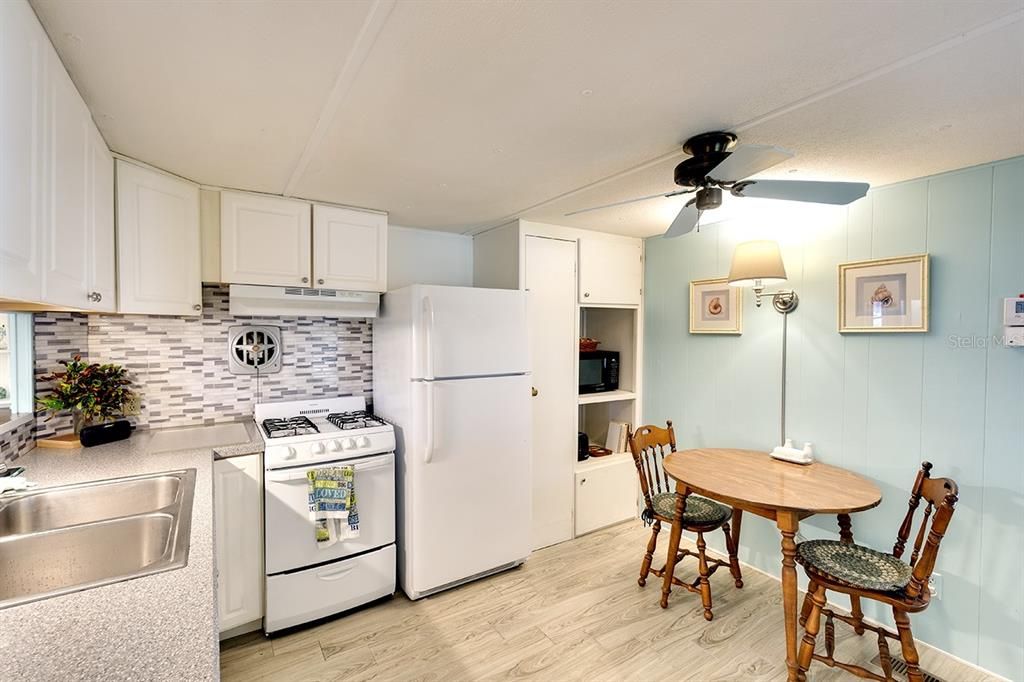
column 451, row 373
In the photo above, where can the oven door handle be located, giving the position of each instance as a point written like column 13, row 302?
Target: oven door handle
column 293, row 476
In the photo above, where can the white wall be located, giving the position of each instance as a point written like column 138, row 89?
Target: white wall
column 428, row 257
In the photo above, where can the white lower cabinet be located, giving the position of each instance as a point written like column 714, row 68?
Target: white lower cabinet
column 606, row 492
column 238, row 533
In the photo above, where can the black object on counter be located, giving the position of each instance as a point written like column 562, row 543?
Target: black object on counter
column 105, row 433
column 582, row 446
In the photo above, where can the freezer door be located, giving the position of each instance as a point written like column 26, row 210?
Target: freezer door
column 467, row 490
column 462, row 332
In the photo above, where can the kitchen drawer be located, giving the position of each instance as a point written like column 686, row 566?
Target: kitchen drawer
column 302, row 596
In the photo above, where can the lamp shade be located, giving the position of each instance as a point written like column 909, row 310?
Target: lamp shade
column 757, row 262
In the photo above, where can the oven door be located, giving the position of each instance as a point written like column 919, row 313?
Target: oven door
column 290, row 538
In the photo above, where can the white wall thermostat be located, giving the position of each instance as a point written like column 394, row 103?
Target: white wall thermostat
column 1013, row 321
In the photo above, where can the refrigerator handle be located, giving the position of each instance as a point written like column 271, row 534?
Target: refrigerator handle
column 428, row 337
column 428, row 453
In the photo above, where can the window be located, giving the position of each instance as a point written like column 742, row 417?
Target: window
column 16, row 391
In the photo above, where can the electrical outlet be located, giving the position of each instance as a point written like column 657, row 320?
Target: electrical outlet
column 133, row 406
column 935, row 585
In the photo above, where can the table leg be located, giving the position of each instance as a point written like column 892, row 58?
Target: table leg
column 788, row 524
column 673, row 543
column 845, row 529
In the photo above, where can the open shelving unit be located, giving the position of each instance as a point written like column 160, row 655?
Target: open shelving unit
column 618, row 329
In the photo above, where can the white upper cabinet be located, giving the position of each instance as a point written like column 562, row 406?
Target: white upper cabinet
column 22, row 53
column 66, row 250
column 157, row 243
column 611, row 270
column 56, row 177
column 349, row 249
column 265, row 240
column 102, row 250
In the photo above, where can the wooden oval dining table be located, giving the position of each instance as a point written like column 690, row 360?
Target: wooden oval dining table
column 784, row 492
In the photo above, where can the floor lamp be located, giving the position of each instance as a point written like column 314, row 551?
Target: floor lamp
column 758, row 264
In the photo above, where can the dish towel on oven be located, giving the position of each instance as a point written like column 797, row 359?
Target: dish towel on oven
column 332, row 504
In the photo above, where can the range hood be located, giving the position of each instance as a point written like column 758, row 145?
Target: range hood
column 249, row 299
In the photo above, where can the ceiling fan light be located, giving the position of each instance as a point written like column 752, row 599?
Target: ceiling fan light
column 757, row 263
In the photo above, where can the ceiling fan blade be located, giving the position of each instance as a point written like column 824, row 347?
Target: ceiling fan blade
column 632, row 201
column 748, row 160
column 684, row 222
column 837, row 193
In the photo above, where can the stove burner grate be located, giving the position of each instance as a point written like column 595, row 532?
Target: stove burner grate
column 292, row 426
column 355, row 420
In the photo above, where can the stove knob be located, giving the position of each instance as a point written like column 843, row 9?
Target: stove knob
column 318, row 448
column 350, row 443
column 364, row 442
column 334, row 446
column 290, row 453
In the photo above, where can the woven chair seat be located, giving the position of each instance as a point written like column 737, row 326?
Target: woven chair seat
column 700, row 511
column 854, row 565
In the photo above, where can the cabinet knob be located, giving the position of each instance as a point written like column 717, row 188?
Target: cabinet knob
column 197, row 307
column 533, row 391
column 582, row 481
column 305, row 280
column 95, row 297
column 320, row 281
column 586, row 294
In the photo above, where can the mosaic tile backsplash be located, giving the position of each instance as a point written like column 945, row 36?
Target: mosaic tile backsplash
column 179, row 365
column 16, row 442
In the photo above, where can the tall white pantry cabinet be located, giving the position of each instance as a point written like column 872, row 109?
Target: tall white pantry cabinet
column 580, row 283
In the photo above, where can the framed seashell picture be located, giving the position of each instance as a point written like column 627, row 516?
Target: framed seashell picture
column 886, row 295
column 715, row 307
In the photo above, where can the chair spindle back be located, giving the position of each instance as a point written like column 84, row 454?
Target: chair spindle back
column 940, row 496
column 648, row 445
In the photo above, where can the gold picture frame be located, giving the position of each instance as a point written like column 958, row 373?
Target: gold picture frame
column 720, row 306
column 885, row 295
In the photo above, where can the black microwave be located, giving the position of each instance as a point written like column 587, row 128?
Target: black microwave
column 599, row 371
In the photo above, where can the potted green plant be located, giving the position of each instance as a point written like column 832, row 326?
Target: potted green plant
column 91, row 391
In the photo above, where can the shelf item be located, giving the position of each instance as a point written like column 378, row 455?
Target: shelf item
column 614, row 459
column 609, row 397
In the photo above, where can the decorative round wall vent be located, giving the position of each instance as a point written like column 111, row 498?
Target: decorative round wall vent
column 254, row 349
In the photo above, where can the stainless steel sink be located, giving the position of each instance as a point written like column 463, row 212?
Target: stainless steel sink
column 87, row 502
column 70, row 538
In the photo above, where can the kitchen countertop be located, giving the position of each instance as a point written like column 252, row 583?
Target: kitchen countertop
column 157, row 627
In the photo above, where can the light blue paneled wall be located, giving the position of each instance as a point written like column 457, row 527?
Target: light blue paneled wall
column 874, row 403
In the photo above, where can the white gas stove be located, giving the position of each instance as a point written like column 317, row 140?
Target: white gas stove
column 302, row 432
column 306, row 582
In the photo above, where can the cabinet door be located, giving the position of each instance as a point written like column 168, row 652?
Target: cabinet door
column 611, row 270
column 550, row 279
column 264, row 240
column 238, row 533
column 605, row 495
column 157, row 243
column 102, row 251
column 349, row 249
column 66, row 247
column 22, row 168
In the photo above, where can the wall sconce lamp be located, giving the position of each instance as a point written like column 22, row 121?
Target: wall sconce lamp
column 759, row 264
column 756, row 265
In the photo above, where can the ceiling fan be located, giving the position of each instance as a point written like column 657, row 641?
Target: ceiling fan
column 713, row 167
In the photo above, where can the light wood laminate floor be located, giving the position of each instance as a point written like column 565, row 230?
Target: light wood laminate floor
column 572, row 612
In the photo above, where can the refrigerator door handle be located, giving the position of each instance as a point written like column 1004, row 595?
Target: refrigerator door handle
column 428, row 337
column 428, row 453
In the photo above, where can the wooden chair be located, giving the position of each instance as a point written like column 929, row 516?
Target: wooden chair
column 858, row 571
column 701, row 515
